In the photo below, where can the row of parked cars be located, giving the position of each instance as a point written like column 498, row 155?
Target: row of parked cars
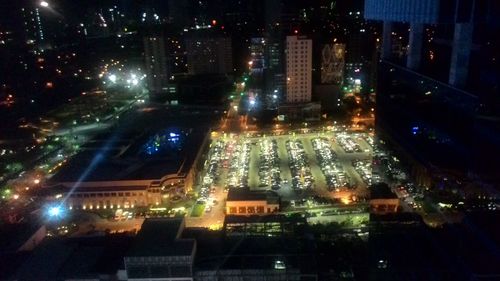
column 364, row 169
column 269, row 169
column 239, row 165
column 299, row 165
column 335, row 176
column 213, row 173
column 347, row 143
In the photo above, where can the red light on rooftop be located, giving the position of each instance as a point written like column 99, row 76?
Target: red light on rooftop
column 296, row 31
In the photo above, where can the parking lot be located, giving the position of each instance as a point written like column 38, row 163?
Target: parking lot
column 327, row 164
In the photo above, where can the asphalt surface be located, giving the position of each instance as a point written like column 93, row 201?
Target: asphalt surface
column 215, row 217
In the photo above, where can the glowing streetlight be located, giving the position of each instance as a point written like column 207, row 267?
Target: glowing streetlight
column 55, row 211
column 44, row 4
column 112, row 78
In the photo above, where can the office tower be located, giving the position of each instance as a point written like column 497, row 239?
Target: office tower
column 442, row 125
column 257, row 49
column 208, row 53
column 178, row 13
column 274, row 76
column 298, row 69
column 33, row 25
column 157, row 69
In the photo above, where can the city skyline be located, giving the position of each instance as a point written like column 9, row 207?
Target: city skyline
column 249, row 140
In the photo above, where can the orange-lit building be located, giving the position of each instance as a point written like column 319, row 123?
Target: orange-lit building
column 242, row 202
column 383, row 200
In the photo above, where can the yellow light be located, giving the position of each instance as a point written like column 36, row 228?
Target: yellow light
column 345, row 200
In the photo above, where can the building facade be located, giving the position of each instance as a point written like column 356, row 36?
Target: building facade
column 250, row 203
column 250, row 207
column 209, row 55
column 298, row 69
column 332, row 64
column 159, row 252
column 157, row 69
column 112, row 195
column 433, row 104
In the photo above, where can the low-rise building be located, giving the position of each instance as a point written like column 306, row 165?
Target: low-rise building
column 269, row 225
column 138, row 169
column 113, row 196
column 383, row 200
column 243, row 202
column 158, row 252
column 84, row 258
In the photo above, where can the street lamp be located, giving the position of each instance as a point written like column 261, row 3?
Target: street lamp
column 55, row 211
column 45, row 5
column 112, row 78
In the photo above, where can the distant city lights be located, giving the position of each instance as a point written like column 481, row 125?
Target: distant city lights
column 112, row 78
column 55, row 211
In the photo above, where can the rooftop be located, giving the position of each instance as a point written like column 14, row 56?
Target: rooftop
column 381, row 191
column 251, row 253
column 246, row 195
column 160, row 237
column 13, row 236
column 61, row 258
column 143, row 146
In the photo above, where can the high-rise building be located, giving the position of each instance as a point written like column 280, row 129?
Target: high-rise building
column 178, row 12
column 298, row 69
column 209, row 54
column 157, row 69
column 257, row 48
column 274, row 77
column 33, row 25
column 332, row 63
column 445, row 125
